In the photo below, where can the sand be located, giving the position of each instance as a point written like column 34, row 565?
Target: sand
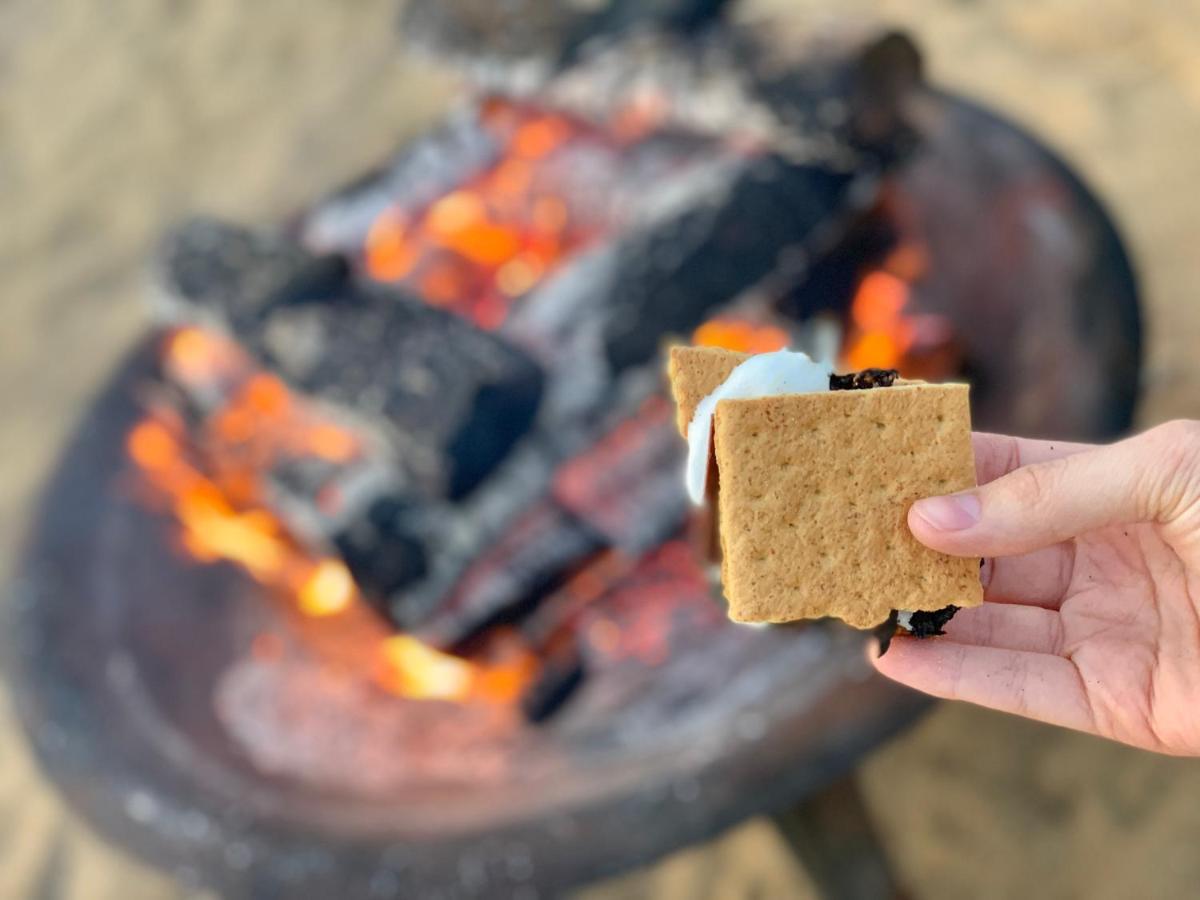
column 115, row 118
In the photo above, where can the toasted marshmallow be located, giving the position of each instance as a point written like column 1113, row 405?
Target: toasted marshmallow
column 763, row 375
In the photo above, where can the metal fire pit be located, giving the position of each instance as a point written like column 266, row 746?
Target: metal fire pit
column 116, row 646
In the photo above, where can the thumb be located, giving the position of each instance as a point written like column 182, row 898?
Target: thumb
column 1153, row 477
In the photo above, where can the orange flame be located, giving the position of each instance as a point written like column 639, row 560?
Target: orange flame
column 328, row 591
column 493, row 239
column 212, row 482
column 740, row 335
column 881, row 330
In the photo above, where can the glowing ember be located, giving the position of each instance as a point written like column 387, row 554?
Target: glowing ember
column 740, row 335
column 211, row 478
column 328, row 591
column 886, row 332
column 492, row 240
column 415, row 670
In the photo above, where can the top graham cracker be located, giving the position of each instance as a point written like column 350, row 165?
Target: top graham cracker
column 814, row 491
column 695, row 372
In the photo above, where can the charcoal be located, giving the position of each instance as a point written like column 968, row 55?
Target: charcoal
column 434, row 379
column 671, row 279
column 560, row 676
column 455, row 399
column 383, row 550
column 233, row 277
column 830, row 282
column 318, row 498
column 500, row 415
column 507, row 580
column 626, row 486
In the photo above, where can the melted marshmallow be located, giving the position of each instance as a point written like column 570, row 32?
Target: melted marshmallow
column 763, row 375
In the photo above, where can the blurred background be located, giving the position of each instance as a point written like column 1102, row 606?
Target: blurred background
column 117, row 120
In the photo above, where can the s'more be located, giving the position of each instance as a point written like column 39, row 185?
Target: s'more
column 812, row 474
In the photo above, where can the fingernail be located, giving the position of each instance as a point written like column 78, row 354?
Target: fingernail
column 956, row 512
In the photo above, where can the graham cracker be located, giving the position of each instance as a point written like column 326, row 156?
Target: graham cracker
column 695, row 372
column 814, row 496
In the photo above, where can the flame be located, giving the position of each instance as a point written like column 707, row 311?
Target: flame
column 328, row 591
column 212, row 477
column 493, row 239
column 414, row 669
column 411, row 668
column 740, row 335
column 881, row 329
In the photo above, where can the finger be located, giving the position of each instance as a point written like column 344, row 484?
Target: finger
column 1039, row 578
column 1036, row 685
column 1152, row 477
column 1008, row 627
column 999, row 454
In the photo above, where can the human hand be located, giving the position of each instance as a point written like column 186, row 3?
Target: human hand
column 1092, row 587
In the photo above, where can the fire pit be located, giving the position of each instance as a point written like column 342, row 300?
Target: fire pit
column 370, row 573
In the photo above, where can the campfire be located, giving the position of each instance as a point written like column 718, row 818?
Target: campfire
column 476, row 251
column 387, row 565
column 499, row 513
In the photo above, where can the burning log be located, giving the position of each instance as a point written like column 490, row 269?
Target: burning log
column 621, row 494
column 499, row 389
column 385, row 549
column 453, row 400
column 626, row 487
column 509, row 579
column 774, row 218
column 561, row 674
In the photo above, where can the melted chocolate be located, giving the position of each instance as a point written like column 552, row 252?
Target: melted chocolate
column 864, row 380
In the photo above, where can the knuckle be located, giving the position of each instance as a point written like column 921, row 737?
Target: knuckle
column 1012, row 455
column 1031, row 486
column 1179, row 434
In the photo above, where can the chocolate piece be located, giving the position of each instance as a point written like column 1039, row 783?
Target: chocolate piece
column 864, row 380
column 886, row 631
column 920, row 625
column 929, row 624
column 562, row 673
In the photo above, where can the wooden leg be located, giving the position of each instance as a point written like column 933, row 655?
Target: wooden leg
column 832, row 835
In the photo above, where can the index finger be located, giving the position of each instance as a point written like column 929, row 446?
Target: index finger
column 1035, row 685
column 999, row 454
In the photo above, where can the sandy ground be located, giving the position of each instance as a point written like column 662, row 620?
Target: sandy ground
column 116, row 118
